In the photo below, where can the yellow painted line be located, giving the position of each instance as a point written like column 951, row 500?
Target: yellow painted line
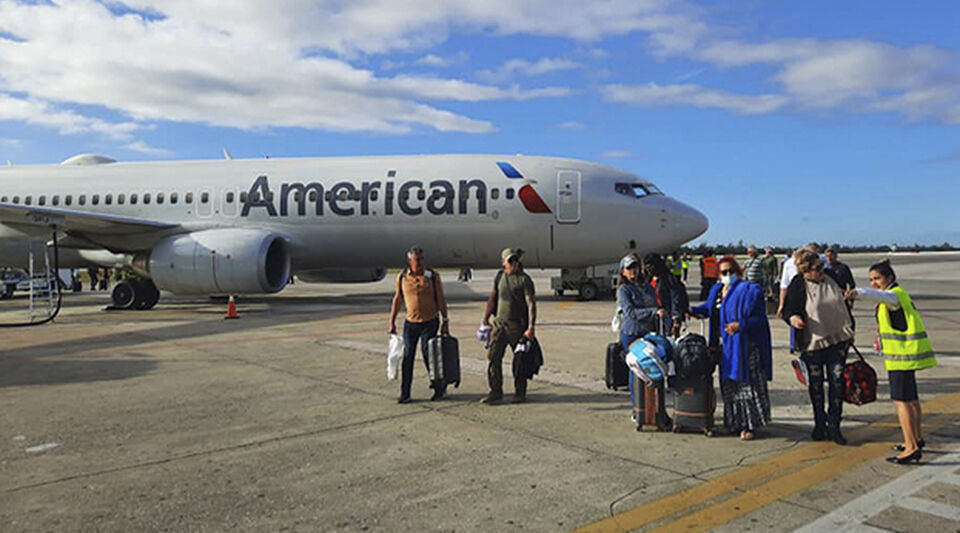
column 777, row 477
column 565, row 305
column 710, row 490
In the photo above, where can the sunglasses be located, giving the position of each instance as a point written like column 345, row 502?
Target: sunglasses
column 512, row 260
column 727, row 272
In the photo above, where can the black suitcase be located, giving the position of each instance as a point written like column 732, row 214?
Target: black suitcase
column 694, row 405
column 649, row 407
column 443, row 357
column 617, row 373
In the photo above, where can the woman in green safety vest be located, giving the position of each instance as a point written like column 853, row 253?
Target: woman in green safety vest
column 905, row 348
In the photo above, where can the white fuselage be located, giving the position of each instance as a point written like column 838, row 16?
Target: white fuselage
column 365, row 211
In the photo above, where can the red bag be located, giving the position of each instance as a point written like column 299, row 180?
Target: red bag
column 861, row 381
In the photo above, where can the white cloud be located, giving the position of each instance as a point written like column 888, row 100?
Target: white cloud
column 570, row 125
column 246, row 64
column 433, row 60
column 652, row 94
column 144, row 148
column 521, row 67
column 615, row 154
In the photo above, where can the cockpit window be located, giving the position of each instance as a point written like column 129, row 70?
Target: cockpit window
column 637, row 190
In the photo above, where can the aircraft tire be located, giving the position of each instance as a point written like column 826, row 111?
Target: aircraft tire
column 150, row 294
column 588, row 291
column 124, row 294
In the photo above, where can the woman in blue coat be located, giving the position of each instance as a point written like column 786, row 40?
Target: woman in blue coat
column 739, row 327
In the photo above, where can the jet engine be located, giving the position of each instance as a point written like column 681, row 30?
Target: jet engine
column 220, row 261
column 343, row 275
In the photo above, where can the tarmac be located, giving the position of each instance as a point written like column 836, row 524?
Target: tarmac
column 178, row 420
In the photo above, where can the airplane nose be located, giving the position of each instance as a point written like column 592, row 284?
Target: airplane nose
column 689, row 223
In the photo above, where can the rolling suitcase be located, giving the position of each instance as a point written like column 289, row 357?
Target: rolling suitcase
column 649, row 409
column 617, row 374
column 694, row 405
column 443, row 356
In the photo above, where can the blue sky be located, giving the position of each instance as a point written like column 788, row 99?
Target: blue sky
column 784, row 122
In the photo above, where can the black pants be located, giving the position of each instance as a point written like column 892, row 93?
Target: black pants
column 413, row 332
column 829, row 361
column 705, row 285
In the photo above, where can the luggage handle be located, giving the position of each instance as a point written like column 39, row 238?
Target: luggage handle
column 860, row 355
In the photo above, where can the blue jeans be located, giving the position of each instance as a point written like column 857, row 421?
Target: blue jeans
column 413, row 332
column 626, row 341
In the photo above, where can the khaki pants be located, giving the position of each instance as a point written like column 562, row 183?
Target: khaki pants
column 502, row 336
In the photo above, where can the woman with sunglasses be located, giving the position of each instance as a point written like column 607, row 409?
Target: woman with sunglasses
column 740, row 332
column 815, row 308
column 905, row 348
column 638, row 304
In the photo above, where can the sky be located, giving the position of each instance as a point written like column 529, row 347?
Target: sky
column 784, row 122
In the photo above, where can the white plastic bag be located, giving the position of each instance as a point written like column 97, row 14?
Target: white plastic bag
column 394, row 356
column 617, row 321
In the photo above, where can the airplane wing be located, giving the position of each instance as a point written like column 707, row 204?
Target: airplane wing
column 78, row 221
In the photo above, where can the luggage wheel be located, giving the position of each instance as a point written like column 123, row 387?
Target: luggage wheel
column 676, row 429
column 708, row 433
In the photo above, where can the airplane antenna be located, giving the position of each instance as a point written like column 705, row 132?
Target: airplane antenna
column 226, row 154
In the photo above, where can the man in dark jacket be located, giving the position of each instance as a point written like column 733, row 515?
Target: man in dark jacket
column 842, row 274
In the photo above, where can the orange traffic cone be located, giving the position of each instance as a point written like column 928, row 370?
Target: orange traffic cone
column 231, row 308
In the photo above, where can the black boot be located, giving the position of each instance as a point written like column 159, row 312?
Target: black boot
column 819, row 433
column 837, row 437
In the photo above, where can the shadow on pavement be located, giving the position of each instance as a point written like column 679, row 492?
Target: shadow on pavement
column 19, row 372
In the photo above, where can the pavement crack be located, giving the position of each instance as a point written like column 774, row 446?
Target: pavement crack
column 202, row 453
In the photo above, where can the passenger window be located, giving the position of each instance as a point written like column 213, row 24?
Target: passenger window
column 269, row 197
column 121, row 199
column 298, row 196
column 159, row 197
column 108, row 199
column 146, row 198
column 243, row 197
column 373, row 196
column 28, row 200
column 312, row 196
column 42, row 200
column 173, row 198
column 342, row 195
column 68, row 200
column 205, row 197
column 494, row 193
column 189, row 198
column 508, row 192
column 327, row 196
column 3, row 199
column 95, row 199
column 16, row 199
column 82, row 200
column 55, row 200
column 421, row 194
column 230, row 197
column 133, row 199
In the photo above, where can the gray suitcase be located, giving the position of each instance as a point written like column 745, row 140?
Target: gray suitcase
column 443, row 360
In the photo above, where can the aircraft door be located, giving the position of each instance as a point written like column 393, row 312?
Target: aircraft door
column 568, row 197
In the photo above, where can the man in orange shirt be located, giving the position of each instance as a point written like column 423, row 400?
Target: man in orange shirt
column 420, row 290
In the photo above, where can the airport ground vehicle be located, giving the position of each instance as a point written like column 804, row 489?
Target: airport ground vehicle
column 590, row 283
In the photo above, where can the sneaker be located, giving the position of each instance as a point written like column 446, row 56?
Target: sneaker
column 633, row 418
column 819, row 433
column 490, row 400
column 403, row 399
column 838, row 437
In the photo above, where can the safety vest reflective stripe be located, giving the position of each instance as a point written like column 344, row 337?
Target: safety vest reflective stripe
column 900, row 337
column 912, row 357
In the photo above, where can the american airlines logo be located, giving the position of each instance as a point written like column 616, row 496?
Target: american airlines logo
column 413, row 197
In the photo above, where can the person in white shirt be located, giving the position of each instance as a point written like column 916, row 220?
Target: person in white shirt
column 789, row 271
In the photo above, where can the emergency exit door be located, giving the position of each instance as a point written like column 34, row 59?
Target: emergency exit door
column 568, row 197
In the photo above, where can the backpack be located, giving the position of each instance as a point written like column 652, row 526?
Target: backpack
column 648, row 360
column 692, row 357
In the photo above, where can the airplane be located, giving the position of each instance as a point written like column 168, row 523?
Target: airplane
column 247, row 225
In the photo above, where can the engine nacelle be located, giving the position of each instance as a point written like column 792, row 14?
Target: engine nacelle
column 220, row 261
column 343, row 275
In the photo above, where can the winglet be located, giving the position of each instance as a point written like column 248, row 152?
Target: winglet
column 226, row 154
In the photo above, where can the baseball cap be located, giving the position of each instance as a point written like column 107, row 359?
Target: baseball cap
column 507, row 253
column 628, row 260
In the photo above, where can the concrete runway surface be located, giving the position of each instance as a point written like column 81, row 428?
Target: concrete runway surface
column 177, row 420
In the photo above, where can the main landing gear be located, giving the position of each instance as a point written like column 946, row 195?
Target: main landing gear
column 135, row 293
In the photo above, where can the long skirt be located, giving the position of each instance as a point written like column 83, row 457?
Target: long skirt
column 746, row 406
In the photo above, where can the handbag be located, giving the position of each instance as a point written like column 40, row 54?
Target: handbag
column 617, row 321
column 861, row 381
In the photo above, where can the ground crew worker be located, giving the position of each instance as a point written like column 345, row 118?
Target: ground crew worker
column 685, row 263
column 514, row 309
column 420, row 290
column 905, row 348
column 675, row 265
column 709, row 273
